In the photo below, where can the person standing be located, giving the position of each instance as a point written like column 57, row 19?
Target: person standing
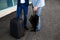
column 37, row 7
column 22, row 4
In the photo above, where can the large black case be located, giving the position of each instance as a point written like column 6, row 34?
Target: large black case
column 16, row 28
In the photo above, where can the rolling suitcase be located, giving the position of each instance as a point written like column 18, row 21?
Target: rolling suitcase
column 16, row 28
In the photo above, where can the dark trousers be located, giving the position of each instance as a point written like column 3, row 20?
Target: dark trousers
column 19, row 10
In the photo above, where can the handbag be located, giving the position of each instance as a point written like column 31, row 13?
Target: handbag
column 33, row 20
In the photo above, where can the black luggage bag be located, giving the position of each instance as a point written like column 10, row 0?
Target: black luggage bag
column 16, row 28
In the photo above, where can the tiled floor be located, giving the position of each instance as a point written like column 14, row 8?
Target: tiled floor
column 50, row 24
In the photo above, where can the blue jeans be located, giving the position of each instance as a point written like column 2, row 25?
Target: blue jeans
column 38, row 14
column 19, row 10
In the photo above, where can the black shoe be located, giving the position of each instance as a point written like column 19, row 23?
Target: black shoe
column 33, row 30
column 25, row 28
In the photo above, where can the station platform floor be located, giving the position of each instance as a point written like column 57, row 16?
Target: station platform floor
column 50, row 23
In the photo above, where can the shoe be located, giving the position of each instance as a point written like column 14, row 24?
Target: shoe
column 25, row 28
column 33, row 30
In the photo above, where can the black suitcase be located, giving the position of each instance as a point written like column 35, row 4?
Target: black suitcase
column 16, row 28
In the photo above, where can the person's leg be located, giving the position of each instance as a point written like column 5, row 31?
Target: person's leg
column 18, row 12
column 25, row 9
column 38, row 14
